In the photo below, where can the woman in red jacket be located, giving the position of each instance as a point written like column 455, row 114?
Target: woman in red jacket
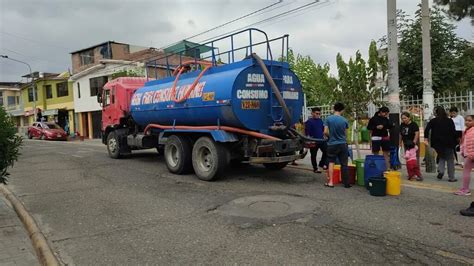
column 467, row 151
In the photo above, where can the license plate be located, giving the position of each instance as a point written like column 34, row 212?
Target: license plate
column 59, row 135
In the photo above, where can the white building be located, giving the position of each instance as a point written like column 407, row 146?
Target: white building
column 86, row 85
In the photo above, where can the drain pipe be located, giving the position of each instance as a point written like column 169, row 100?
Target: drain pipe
column 274, row 88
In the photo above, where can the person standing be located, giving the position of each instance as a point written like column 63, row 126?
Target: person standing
column 443, row 140
column 409, row 131
column 459, row 125
column 314, row 127
column 335, row 128
column 379, row 126
column 413, row 168
column 467, row 151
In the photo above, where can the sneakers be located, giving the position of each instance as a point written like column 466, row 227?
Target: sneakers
column 419, row 178
column 469, row 211
column 440, row 176
column 452, row 180
column 462, row 192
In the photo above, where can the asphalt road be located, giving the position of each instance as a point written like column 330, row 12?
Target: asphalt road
column 95, row 210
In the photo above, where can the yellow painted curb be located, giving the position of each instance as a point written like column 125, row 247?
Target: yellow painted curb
column 43, row 250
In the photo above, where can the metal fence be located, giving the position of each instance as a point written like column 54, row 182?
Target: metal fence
column 462, row 100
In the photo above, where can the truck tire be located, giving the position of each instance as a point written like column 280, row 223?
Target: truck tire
column 275, row 166
column 113, row 145
column 178, row 154
column 209, row 158
column 30, row 136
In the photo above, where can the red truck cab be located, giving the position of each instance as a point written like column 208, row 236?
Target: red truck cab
column 115, row 99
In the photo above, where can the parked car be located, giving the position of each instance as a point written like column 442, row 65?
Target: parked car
column 46, row 130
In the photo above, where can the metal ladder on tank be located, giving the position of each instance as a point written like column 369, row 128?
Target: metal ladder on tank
column 276, row 110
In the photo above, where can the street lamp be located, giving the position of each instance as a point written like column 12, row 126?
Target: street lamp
column 32, row 82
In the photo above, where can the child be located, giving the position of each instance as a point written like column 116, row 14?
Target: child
column 412, row 164
column 467, row 151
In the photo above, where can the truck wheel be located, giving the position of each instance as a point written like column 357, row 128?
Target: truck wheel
column 30, row 136
column 113, row 145
column 275, row 166
column 209, row 158
column 178, row 155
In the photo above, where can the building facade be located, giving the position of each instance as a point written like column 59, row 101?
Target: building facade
column 11, row 101
column 54, row 100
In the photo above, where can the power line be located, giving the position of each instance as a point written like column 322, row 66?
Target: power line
column 234, row 20
column 33, row 40
column 224, row 24
column 296, row 9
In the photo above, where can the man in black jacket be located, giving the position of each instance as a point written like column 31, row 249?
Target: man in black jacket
column 379, row 126
column 440, row 134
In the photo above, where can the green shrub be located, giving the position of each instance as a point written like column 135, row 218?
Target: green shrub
column 9, row 145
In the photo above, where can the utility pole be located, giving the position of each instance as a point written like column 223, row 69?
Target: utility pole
column 393, row 86
column 32, row 82
column 428, row 95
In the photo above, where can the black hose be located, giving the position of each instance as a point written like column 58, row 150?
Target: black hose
column 305, row 137
column 275, row 89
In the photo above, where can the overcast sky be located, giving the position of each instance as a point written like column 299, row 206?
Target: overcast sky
column 44, row 32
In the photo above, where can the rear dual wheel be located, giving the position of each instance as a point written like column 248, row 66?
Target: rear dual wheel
column 177, row 154
column 209, row 158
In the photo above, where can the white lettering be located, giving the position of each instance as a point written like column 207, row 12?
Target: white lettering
column 287, row 79
column 290, row 95
column 255, row 78
column 252, row 94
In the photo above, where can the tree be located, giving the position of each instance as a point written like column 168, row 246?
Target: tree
column 458, row 9
column 317, row 83
column 136, row 72
column 357, row 84
column 9, row 145
column 446, row 50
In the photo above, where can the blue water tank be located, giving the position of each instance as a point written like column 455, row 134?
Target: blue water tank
column 374, row 167
column 236, row 94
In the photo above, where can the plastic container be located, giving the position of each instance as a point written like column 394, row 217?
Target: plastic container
column 352, row 173
column 377, row 186
column 374, row 166
column 336, row 177
column 360, row 171
column 364, row 134
column 393, row 183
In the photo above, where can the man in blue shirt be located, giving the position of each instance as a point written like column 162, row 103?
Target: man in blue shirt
column 314, row 128
column 335, row 128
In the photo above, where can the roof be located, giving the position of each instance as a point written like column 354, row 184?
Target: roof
column 11, row 84
column 97, row 45
column 187, row 45
column 36, row 75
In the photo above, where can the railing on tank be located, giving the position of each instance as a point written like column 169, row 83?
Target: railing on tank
column 164, row 62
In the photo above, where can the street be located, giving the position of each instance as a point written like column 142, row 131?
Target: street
column 95, row 210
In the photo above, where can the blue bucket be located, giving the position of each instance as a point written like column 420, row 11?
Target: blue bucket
column 374, row 166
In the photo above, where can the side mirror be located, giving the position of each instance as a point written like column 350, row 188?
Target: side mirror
column 99, row 98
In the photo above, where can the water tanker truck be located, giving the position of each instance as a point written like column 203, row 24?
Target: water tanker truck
column 206, row 115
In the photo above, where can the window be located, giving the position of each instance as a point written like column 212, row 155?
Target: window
column 61, row 89
column 87, row 57
column 30, row 95
column 1, row 98
column 96, row 84
column 106, row 97
column 11, row 100
column 78, row 90
column 49, row 91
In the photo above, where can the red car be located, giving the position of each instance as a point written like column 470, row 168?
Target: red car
column 46, row 130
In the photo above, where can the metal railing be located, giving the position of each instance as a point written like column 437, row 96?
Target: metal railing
column 251, row 43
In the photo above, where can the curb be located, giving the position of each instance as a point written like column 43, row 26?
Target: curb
column 43, row 250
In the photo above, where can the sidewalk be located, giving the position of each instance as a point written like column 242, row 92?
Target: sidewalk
column 15, row 245
column 430, row 181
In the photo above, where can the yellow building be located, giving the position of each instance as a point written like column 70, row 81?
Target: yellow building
column 54, row 99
